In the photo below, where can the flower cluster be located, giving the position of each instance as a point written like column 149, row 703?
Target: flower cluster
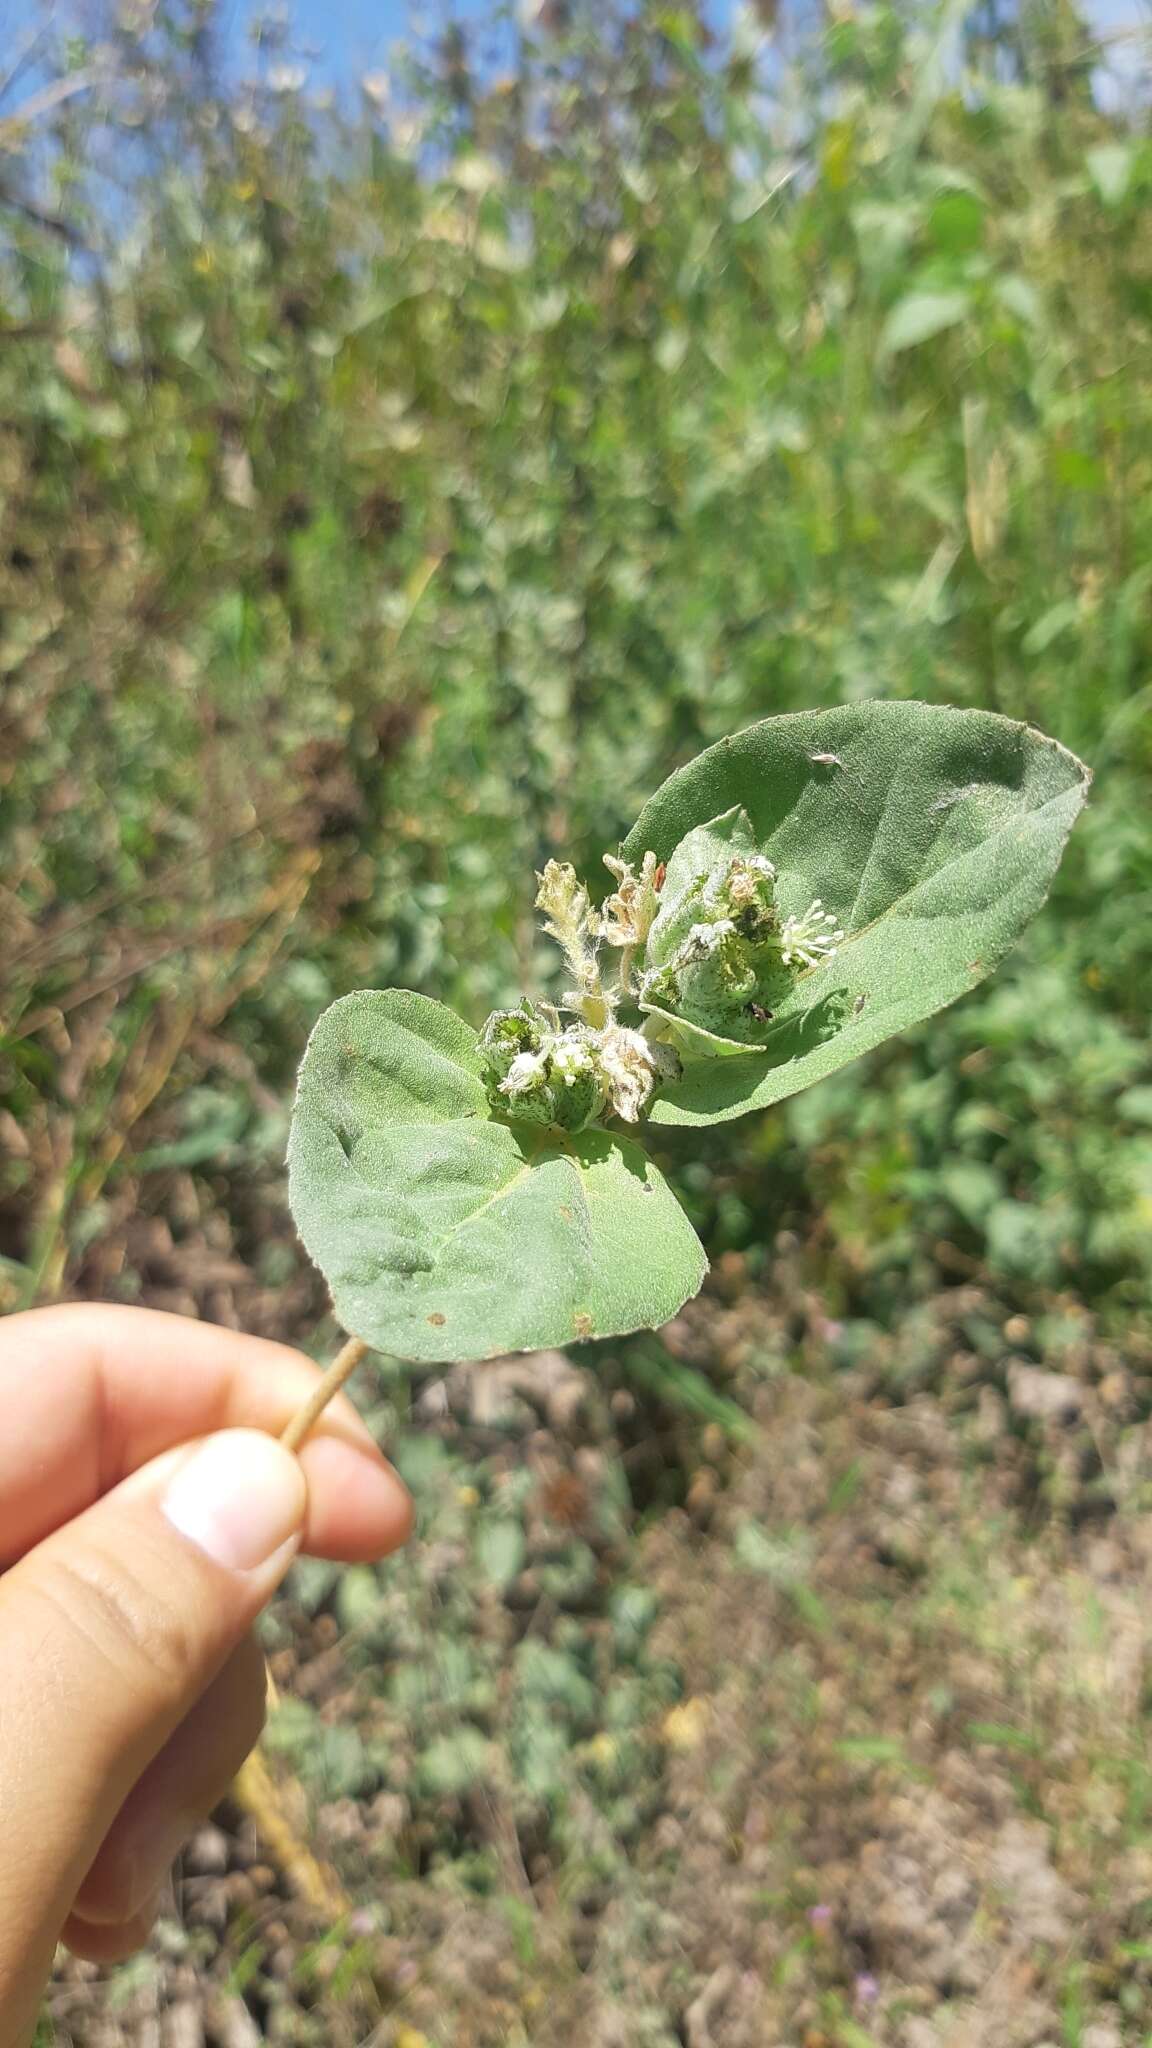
column 717, row 957
column 542, row 1071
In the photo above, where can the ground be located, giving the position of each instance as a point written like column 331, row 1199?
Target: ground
column 811, row 1716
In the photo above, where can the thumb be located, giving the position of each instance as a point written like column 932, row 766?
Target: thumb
column 109, row 1632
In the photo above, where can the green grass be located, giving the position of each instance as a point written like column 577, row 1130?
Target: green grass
column 371, row 527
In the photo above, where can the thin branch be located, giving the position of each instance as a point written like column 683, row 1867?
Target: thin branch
column 342, row 1367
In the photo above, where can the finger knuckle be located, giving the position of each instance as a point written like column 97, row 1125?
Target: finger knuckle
column 130, row 1621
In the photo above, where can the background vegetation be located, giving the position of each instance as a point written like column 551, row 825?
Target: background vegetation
column 389, row 498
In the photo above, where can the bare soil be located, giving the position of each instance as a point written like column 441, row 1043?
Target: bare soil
column 889, row 1783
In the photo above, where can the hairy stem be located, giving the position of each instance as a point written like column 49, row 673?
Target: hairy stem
column 595, row 1008
column 342, row 1367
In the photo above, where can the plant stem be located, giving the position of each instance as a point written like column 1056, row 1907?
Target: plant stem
column 342, row 1367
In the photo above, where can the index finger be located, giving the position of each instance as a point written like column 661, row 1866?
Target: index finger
column 89, row 1392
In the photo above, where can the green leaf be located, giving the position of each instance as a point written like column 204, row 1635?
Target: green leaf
column 1110, row 167
column 453, row 1763
column 956, row 222
column 1135, row 1105
column 500, row 1551
column 444, row 1233
column 919, row 316
column 700, row 855
column 705, row 1016
column 1025, row 1239
column 1049, row 626
column 681, row 1386
column 707, row 847
column 1018, row 296
column 972, row 1188
column 933, row 834
column 692, row 1042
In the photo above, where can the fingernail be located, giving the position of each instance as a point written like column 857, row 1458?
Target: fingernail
column 241, row 1497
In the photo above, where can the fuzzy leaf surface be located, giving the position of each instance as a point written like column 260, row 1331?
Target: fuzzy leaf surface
column 699, row 855
column 932, row 834
column 444, row 1233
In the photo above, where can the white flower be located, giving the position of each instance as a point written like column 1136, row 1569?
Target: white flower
column 806, row 941
column 629, row 1067
column 570, row 1058
column 407, row 132
column 527, row 1068
column 287, row 78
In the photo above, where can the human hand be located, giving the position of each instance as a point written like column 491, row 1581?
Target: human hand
column 135, row 1561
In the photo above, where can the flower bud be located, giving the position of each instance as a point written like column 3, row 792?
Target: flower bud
column 509, row 1034
column 627, row 915
column 560, row 896
column 726, row 970
column 632, row 1068
column 540, row 1073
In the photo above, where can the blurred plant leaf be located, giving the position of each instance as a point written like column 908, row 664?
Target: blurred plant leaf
column 1110, row 167
column 919, row 316
column 500, row 1550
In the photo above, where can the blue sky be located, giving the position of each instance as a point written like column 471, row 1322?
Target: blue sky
column 355, row 35
column 351, row 37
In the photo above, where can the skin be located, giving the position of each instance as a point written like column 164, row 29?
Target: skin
column 132, row 1687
